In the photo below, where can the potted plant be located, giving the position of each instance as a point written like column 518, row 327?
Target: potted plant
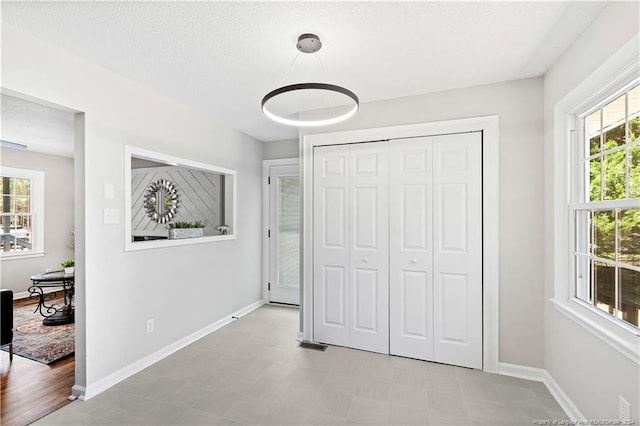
column 69, row 266
column 179, row 230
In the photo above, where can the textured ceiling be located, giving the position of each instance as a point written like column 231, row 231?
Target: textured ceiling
column 41, row 128
column 223, row 57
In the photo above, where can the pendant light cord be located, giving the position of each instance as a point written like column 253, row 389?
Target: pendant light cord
column 290, row 68
column 317, row 55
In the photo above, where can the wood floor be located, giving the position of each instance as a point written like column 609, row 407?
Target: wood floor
column 31, row 389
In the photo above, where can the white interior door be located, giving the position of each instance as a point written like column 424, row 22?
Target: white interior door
column 436, row 249
column 284, row 230
column 331, row 245
column 369, row 246
column 398, row 247
column 411, row 248
column 351, row 246
column 457, row 248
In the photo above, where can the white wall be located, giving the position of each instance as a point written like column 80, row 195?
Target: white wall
column 519, row 107
column 589, row 371
column 58, row 220
column 183, row 288
column 287, row 148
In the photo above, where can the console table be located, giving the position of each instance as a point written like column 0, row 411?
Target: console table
column 53, row 280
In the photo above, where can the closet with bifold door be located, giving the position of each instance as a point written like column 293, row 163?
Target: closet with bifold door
column 397, row 231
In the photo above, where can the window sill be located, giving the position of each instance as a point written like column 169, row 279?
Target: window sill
column 30, row 255
column 622, row 339
column 153, row 244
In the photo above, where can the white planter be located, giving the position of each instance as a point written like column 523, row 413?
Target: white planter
column 179, row 233
column 70, row 270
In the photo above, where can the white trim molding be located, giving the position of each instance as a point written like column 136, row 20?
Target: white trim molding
column 93, row 389
column 26, row 295
column 620, row 70
column 129, row 245
column 36, row 210
column 542, row 375
column 600, row 326
column 488, row 125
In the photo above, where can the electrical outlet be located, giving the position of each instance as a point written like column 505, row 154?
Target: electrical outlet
column 150, row 326
column 47, row 270
column 624, row 409
column 111, row 216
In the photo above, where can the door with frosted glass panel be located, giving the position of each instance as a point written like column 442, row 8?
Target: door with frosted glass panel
column 284, row 241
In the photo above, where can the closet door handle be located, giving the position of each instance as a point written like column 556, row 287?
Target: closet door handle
column 365, row 259
column 414, row 260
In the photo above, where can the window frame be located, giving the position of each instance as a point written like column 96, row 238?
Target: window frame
column 580, row 183
column 132, row 151
column 619, row 71
column 36, row 195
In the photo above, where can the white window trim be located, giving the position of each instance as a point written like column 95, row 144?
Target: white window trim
column 617, row 72
column 37, row 211
column 129, row 245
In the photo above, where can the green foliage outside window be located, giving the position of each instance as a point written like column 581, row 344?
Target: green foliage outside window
column 614, row 172
column 614, row 166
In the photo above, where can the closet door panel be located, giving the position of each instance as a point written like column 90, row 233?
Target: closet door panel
column 411, row 270
column 369, row 251
column 458, row 249
column 331, row 245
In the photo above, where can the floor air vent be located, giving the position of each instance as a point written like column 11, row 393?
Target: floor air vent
column 315, row 346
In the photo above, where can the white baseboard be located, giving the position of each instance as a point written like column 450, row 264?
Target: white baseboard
column 105, row 383
column 542, row 375
column 25, row 294
column 563, row 399
column 521, row 371
column 78, row 391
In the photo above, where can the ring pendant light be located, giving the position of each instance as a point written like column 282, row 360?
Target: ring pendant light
column 310, row 43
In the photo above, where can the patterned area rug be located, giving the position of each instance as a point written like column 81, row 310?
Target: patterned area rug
column 46, row 344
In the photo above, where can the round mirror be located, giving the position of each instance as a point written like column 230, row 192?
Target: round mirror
column 161, row 201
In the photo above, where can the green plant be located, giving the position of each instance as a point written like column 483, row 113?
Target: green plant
column 178, row 225
column 68, row 263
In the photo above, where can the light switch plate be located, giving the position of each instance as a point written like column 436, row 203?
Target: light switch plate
column 111, row 216
column 108, row 190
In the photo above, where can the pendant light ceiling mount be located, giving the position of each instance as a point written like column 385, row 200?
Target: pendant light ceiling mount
column 310, row 43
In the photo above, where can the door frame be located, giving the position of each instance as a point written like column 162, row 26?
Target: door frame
column 489, row 125
column 266, row 165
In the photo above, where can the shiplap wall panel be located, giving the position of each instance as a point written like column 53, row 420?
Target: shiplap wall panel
column 198, row 194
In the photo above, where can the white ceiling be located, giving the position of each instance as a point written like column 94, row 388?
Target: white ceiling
column 40, row 127
column 223, row 57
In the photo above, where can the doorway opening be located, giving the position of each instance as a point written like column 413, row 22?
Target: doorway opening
column 42, row 169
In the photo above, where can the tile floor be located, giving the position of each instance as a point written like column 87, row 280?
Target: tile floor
column 253, row 372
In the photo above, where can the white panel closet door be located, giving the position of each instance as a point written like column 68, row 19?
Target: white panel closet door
column 351, row 246
column 398, row 247
column 411, row 255
column 457, row 247
column 369, row 242
column 331, row 245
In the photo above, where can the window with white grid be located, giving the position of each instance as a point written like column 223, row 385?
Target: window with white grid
column 21, row 214
column 606, row 211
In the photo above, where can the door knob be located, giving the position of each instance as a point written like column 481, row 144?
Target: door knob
column 414, row 260
column 365, row 259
